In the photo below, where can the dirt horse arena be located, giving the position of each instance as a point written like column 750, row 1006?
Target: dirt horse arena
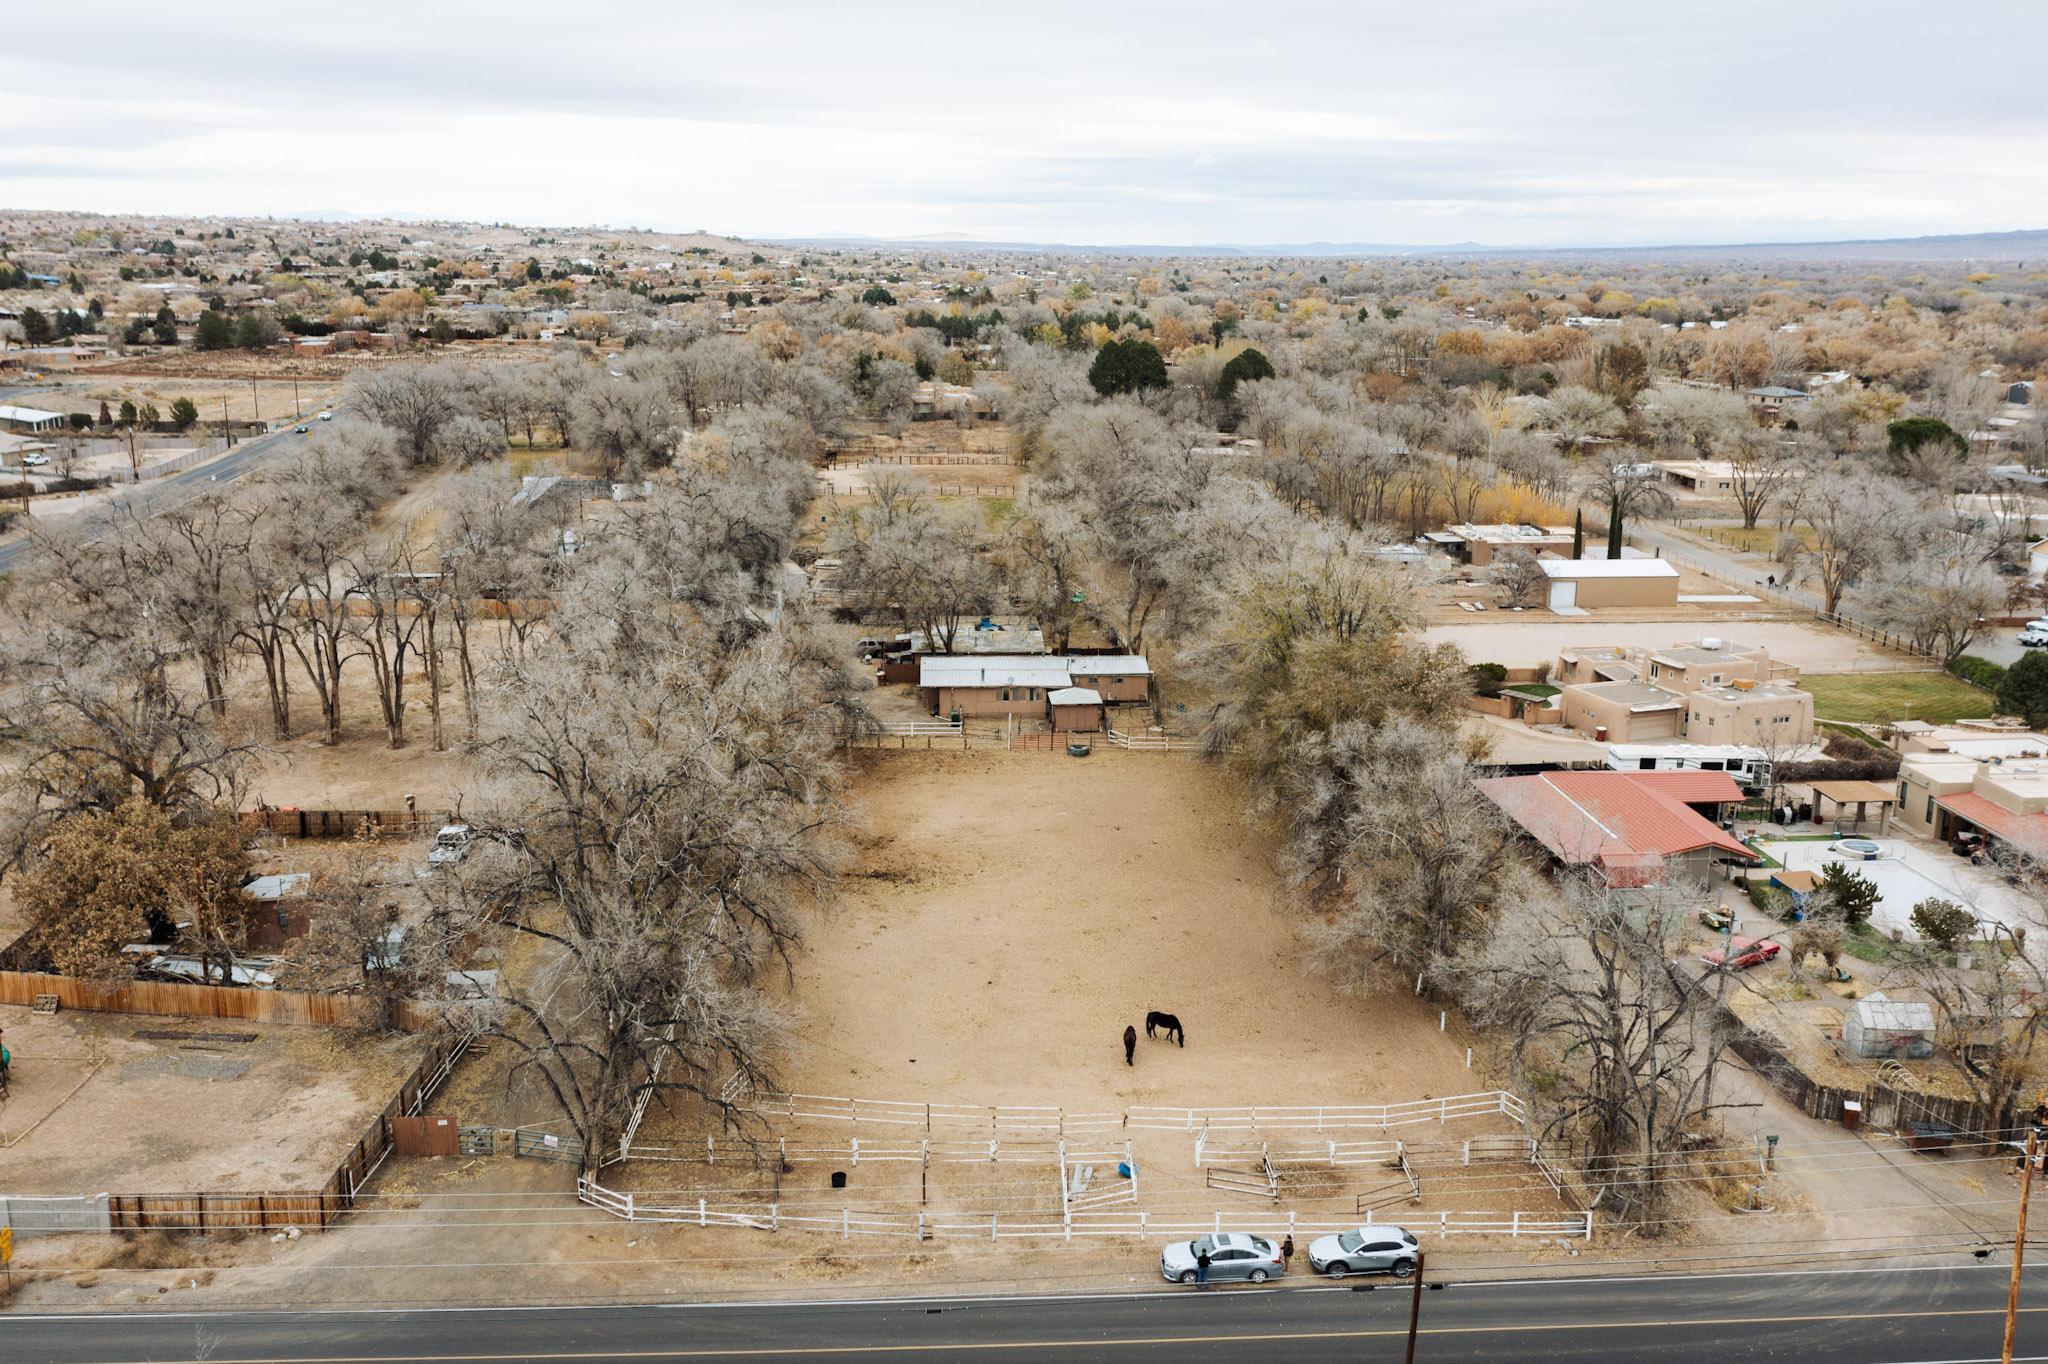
column 1007, row 916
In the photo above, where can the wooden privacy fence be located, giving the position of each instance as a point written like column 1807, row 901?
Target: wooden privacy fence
column 266, row 1211
column 180, row 1000
column 290, row 823
column 272, row 1210
column 996, row 1226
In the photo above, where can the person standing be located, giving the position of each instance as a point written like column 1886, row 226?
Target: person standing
column 1287, row 1252
column 1202, row 1269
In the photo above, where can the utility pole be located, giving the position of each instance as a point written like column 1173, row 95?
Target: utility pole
column 254, row 406
column 2019, row 1251
column 1415, row 1304
column 225, row 434
column 296, row 414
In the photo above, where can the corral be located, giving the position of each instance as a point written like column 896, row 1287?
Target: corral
column 130, row 1103
column 1021, row 909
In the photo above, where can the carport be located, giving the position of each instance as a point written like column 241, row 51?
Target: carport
column 1862, row 795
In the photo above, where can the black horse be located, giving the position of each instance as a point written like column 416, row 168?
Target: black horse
column 1130, row 1044
column 1174, row 1032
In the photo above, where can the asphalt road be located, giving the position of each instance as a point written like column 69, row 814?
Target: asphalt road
column 1938, row 1314
column 186, row 483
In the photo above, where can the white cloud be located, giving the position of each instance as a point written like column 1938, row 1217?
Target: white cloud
column 1196, row 122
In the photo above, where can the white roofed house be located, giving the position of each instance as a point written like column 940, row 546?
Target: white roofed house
column 1577, row 584
column 1024, row 684
column 15, row 418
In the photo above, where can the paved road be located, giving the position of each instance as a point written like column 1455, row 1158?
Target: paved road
column 1948, row 1314
column 186, row 483
column 1723, row 565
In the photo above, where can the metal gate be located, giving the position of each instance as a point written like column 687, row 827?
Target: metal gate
column 546, row 1146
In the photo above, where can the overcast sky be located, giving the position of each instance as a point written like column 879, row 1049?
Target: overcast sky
column 1500, row 121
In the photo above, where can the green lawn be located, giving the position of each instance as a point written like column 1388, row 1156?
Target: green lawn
column 1535, row 691
column 1875, row 698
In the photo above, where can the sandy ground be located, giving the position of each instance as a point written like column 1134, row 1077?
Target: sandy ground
column 1527, row 642
column 1040, row 903
column 95, row 1107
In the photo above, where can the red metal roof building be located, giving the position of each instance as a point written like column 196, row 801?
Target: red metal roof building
column 1631, row 827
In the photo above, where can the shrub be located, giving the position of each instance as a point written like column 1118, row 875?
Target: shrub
column 1943, row 922
column 1487, row 678
column 1771, row 899
column 1978, row 672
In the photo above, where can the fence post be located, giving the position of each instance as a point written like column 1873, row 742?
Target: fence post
column 920, row 1227
column 629, row 1207
column 992, row 1227
column 1516, row 1226
column 1217, row 1230
column 855, row 1144
column 1468, row 1150
column 845, row 1224
column 1588, row 1215
column 1443, row 1221
column 702, row 1221
column 775, row 1217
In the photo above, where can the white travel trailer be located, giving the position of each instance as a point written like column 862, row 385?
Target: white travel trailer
column 1749, row 766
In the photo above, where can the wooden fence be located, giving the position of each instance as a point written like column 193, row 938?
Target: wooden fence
column 293, row 823
column 179, row 1000
column 309, row 1210
column 1883, row 1105
column 266, row 1211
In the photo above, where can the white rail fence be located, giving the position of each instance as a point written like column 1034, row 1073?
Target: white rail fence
column 943, row 729
column 997, row 1226
column 1150, row 743
column 1049, row 1120
column 1321, row 1153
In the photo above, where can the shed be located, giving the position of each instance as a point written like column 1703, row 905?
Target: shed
column 1880, row 1027
column 1797, row 884
column 1576, row 584
column 1075, row 710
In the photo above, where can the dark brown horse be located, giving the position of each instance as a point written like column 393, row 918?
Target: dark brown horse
column 1130, row 1044
column 1174, row 1033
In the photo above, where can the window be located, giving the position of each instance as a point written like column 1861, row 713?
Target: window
column 1647, row 764
column 1713, row 765
column 1930, row 809
column 1003, row 695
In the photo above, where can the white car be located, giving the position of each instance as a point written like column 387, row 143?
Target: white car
column 451, row 845
column 35, row 459
column 1232, row 1255
column 2030, row 638
column 1375, row 1248
column 327, row 416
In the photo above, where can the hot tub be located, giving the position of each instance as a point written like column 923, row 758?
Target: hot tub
column 1863, row 849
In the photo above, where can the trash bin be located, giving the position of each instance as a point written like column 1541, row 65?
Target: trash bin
column 1852, row 1114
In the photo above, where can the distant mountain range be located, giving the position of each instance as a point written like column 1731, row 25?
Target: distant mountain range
column 2028, row 244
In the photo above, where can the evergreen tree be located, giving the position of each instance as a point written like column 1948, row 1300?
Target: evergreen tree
column 215, row 331
column 2024, row 689
column 1244, row 367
